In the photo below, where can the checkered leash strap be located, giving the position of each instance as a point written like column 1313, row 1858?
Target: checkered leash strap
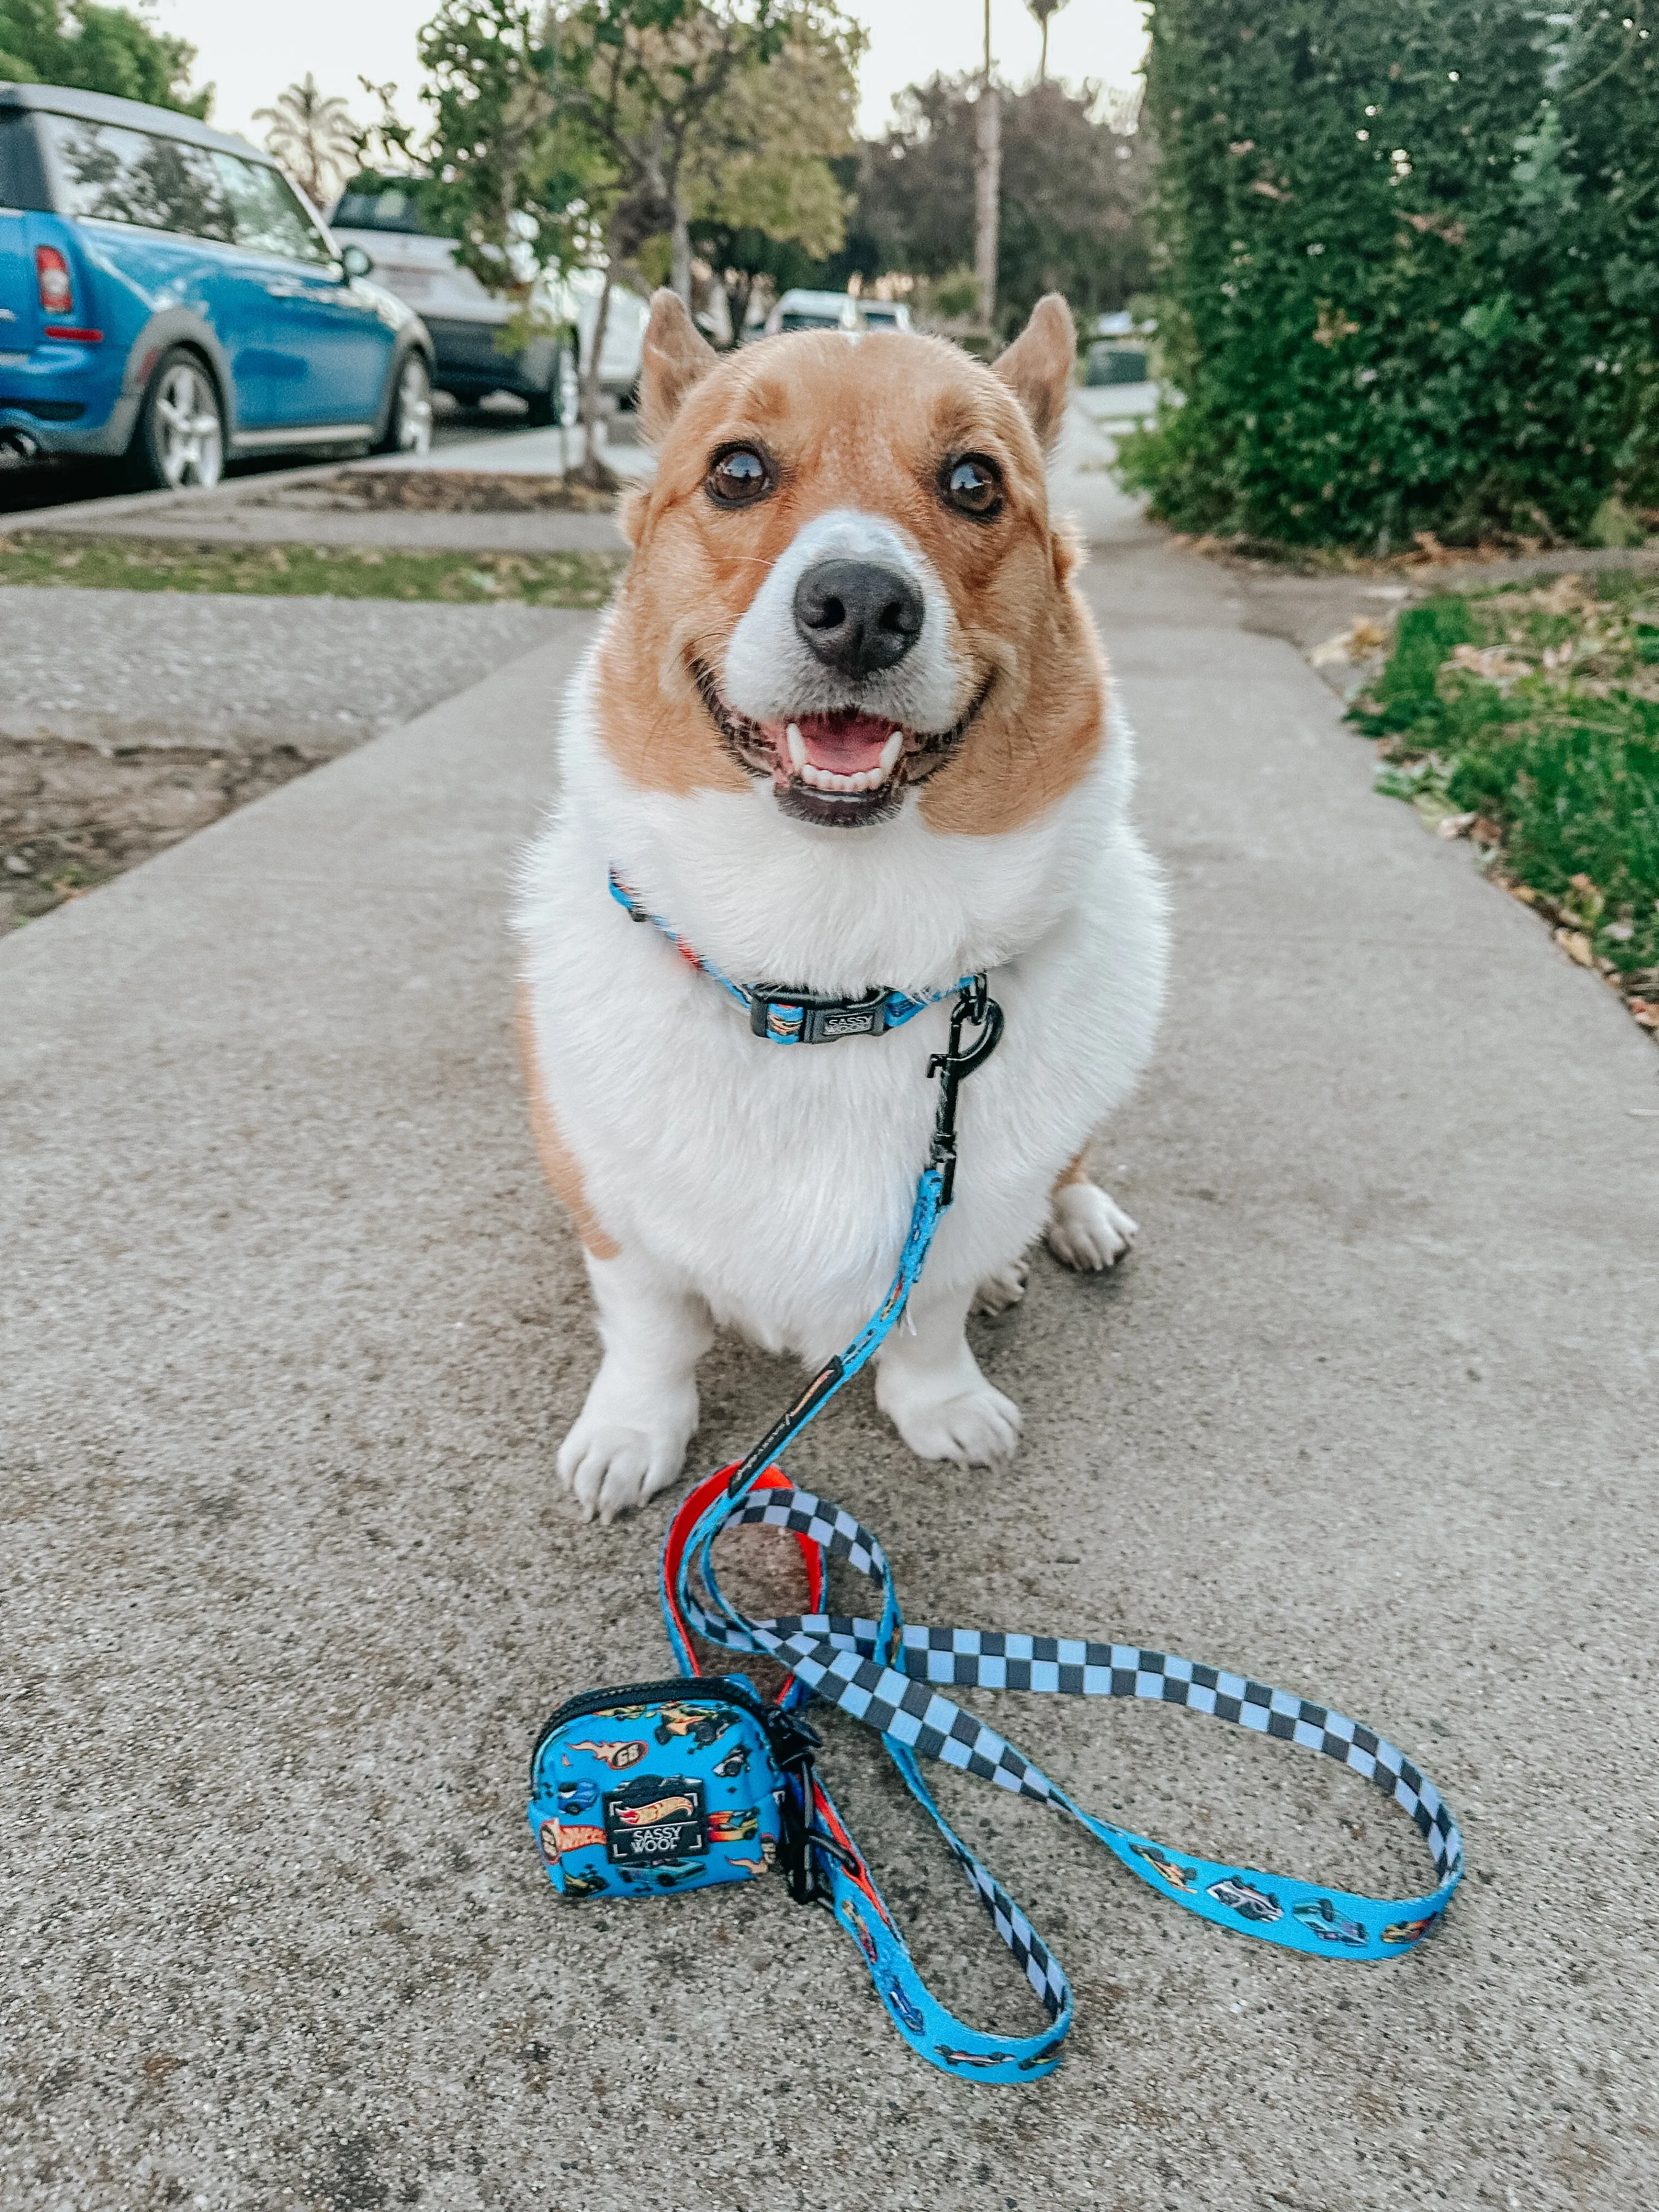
column 887, row 1672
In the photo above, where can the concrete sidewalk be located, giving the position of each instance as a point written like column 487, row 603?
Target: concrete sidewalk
column 292, row 1328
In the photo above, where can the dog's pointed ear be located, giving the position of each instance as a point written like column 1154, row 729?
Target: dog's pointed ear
column 676, row 355
column 1037, row 367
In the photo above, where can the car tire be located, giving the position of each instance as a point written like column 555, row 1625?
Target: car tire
column 179, row 437
column 409, row 418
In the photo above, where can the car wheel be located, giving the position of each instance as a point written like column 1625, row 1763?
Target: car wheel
column 409, row 425
column 180, row 437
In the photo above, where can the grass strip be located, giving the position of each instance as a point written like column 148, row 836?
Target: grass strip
column 1528, row 720
column 332, row 572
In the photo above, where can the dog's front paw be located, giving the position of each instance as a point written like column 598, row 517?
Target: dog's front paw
column 976, row 1428
column 1086, row 1228
column 610, row 1465
column 1002, row 1289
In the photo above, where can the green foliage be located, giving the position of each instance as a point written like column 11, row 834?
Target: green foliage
column 1405, row 275
column 509, row 175
column 769, row 170
column 98, row 49
column 1070, row 204
column 1546, row 726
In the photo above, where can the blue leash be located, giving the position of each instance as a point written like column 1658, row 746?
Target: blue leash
column 890, row 1675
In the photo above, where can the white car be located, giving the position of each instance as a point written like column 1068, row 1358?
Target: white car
column 382, row 215
column 813, row 311
column 884, row 315
column 802, row 310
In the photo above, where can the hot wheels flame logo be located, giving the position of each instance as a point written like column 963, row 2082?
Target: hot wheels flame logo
column 660, row 1808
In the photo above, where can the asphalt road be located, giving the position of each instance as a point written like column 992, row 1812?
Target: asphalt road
column 291, row 1329
column 58, row 483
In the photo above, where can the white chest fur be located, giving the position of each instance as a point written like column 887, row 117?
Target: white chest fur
column 775, row 1181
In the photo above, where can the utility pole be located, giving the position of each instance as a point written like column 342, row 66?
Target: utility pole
column 987, row 177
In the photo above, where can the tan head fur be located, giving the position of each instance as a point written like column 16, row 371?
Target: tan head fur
column 872, row 424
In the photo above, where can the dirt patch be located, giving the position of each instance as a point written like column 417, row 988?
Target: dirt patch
column 438, row 491
column 72, row 816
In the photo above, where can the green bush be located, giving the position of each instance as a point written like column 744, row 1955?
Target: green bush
column 1548, row 732
column 1405, row 270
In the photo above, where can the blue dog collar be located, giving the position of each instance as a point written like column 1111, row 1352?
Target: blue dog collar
column 783, row 1013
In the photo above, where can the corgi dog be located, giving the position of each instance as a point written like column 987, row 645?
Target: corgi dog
column 847, row 727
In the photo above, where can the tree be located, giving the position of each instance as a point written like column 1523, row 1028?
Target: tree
column 1043, row 10
column 98, row 49
column 1073, row 193
column 580, row 130
column 642, row 79
column 314, row 138
column 768, row 173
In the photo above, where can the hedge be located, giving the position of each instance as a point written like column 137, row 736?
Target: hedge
column 1406, row 272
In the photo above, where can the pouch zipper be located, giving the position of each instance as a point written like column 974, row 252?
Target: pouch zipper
column 679, row 1689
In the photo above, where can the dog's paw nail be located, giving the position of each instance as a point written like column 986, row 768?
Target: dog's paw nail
column 978, row 1428
column 613, row 1466
column 1087, row 1230
column 1005, row 1288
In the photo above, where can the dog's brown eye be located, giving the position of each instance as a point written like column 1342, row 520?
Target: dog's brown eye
column 739, row 476
column 974, row 484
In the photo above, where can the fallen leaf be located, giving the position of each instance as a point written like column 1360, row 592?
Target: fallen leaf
column 1494, row 664
column 1525, row 893
column 1457, row 825
column 1577, row 947
column 1485, row 832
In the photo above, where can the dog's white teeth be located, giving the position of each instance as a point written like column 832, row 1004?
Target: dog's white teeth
column 797, row 750
column 823, row 778
column 890, row 752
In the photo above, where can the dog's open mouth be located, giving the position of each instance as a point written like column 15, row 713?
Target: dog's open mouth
column 845, row 768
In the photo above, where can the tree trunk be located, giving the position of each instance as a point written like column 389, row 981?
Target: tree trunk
column 595, row 471
column 738, row 297
column 681, row 276
column 988, row 179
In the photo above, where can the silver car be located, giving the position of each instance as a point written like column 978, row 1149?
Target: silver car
column 384, row 215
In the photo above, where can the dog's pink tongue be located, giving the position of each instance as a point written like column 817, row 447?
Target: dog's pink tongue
column 843, row 744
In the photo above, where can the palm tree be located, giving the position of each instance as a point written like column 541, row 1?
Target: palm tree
column 1043, row 10
column 314, row 137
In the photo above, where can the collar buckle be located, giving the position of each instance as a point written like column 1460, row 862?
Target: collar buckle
column 792, row 1016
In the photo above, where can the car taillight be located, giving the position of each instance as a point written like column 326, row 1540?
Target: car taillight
column 51, row 278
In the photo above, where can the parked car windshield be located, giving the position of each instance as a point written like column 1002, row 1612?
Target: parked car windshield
column 367, row 206
column 111, row 174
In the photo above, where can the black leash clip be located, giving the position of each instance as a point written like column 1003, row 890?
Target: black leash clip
column 793, row 1743
column 974, row 1004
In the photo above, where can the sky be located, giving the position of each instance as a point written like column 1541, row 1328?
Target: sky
column 250, row 53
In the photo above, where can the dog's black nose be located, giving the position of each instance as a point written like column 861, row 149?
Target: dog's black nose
column 857, row 615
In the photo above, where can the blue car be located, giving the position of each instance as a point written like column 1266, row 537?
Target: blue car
column 167, row 296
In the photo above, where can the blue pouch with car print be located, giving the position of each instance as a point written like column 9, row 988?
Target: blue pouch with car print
column 679, row 1784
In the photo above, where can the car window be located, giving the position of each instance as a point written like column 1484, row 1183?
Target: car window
column 379, row 207
column 795, row 320
column 267, row 215
column 118, row 175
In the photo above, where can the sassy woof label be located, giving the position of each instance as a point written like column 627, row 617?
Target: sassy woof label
column 655, row 1821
